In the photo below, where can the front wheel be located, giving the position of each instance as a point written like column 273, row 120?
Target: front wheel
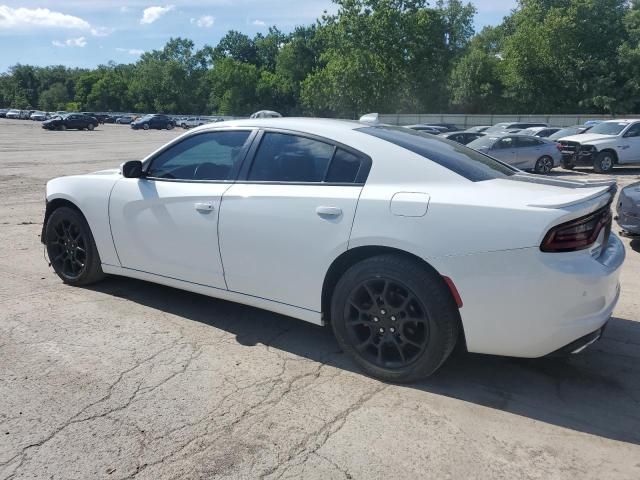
column 63, row 127
column 544, row 165
column 395, row 318
column 169, row 126
column 145, row 126
column 71, row 248
column 90, row 127
column 568, row 165
column 603, row 163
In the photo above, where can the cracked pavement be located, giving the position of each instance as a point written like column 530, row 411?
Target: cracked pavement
column 128, row 379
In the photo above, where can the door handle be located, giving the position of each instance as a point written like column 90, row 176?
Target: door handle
column 329, row 211
column 204, row 206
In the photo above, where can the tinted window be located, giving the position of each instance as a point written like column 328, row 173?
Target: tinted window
column 504, row 143
column 464, row 161
column 207, row 156
column 344, row 167
column 524, row 142
column 609, row 128
column 290, row 158
column 634, row 131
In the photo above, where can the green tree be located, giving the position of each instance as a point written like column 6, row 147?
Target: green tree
column 55, row 97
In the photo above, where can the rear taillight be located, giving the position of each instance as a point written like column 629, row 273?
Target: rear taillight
column 578, row 234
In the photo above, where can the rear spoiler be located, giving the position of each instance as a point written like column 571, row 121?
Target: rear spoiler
column 598, row 187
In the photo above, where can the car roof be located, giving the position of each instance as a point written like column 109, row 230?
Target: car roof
column 623, row 120
column 289, row 123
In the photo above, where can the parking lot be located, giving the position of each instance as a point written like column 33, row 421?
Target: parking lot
column 131, row 379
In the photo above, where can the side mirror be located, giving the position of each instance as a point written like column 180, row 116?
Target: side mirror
column 132, row 169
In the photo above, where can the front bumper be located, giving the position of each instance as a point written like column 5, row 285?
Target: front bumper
column 579, row 158
column 526, row 303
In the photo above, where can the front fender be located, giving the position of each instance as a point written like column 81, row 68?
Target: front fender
column 89, row 194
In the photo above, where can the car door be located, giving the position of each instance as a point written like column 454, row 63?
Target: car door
column 528, row 151
column 288, row 216
column 166, row 222
column 629, row 146
column 504, row 149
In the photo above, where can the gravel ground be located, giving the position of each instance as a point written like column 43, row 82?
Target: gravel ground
column 130, row 379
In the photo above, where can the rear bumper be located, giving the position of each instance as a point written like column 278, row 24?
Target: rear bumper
column 526, row 303
column 580, row 344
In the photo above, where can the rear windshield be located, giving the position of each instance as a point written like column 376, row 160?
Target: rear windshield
column 464, row 161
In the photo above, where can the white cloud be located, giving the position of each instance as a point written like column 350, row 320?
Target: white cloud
column 17, row 18
column 71, row 42
column 124, row 9
column 206, row 21
column 101, row 31
column 259, row 23
column 151, row 14
column 131, row 51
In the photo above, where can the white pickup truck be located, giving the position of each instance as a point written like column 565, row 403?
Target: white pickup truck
column 610, row 143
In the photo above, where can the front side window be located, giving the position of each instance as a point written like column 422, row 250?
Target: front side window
column 634, row 131
column 206, row 156
column 290, row 158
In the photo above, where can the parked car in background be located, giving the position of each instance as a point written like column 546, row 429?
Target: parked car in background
column 610, row 143
column 450, row 127
column 70, row 121
column 26, row 114
column 513, row 127
column 39, row 116
column 525, row 152
column 432, row 129
column 628, row 209
column 124, row 120
column 462, row 137
column 478, row 128
column 191, row 122
column 153, row 121
column 13, row 113
column 568, row 131
column 543, row 132
column 396, row 279
column 265, row 114
column 591, row 123
column 3, row 112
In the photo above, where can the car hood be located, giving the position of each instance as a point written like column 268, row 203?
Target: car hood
column 587, row 137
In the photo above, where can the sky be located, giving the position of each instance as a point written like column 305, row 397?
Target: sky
column 86, row 33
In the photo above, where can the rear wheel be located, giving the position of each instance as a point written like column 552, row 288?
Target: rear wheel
column 145, row 126
column 62, row 127
column 544, row 165
column 71, row 248
column 169, row 126
column 90, row 127
column 604, row 162
column 395, row 318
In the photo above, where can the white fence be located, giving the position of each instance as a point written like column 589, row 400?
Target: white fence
column 466, row 121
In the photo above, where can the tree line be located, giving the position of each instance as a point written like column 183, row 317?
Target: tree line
column 389, row 56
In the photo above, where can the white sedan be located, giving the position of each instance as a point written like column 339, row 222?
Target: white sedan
column 404, row 243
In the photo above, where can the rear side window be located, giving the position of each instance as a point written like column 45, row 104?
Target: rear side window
column 524, row 142
column 290, row 158
column 458, row 158
column 344, row 167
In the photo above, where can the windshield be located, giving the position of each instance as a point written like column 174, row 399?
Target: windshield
column 498, row 127
column 451, row 155
column 565, row 132
column 609, row 128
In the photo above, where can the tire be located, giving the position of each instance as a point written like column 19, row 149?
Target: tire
column 90, row 127
column 169, row 126
column 604, row 162
column 71, row 249
column 63, row 127
column 410, row 350
column 567, row 165
column 145, row 126
column 543, row 165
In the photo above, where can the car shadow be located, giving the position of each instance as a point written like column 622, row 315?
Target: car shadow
column 635, row 244
column 616, row 172
column 596, row 392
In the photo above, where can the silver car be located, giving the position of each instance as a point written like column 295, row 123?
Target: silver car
column 628, row 209
column 522, row 151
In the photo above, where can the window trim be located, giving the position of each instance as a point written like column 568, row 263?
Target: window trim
column 361, row 176
column 234, row 171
